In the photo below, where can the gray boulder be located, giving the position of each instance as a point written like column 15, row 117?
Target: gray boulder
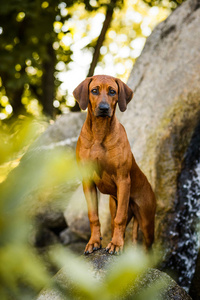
column 76, row 216
column 164, row 112
column 154, row 284
column 67, row 236
column 52, row 219
column 48, row 205
column 63, row 132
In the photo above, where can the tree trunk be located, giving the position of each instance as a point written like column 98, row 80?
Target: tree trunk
column 106, row 25
column 18, row 107
column 14, row 94
column 100, row 40
column 48, row 82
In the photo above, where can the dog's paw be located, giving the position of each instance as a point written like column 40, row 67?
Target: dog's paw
column 114, row 249
column 91, row 247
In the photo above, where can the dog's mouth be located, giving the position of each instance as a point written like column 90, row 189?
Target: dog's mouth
column 103, row 111
column 103, row 114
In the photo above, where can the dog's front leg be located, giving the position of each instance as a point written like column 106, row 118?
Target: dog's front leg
column 92, row 203
column 120, row 221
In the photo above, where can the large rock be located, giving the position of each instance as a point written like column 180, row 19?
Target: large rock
column 165, row 108
column 48, row 204
column 156, row 284
column 76, row 216
column 63, row 133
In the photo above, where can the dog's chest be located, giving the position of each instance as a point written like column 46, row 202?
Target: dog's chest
column 104, row 182
column 107, row 159
column 103, row 175
column 97, row 152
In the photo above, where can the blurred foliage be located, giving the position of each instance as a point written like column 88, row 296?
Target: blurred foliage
column 23, row 273
column 121, row 280
column 27, row 55
column 42, row 41
column 172, row 3
column 30, row 48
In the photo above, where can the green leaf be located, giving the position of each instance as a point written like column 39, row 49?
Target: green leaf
column 125, row 271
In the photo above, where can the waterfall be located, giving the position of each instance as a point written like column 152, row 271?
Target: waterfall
column 184, row 231
column 187, row 220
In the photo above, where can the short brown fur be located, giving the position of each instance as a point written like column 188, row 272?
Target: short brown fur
column 103, row 140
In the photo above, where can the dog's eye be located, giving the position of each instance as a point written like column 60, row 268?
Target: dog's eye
column 112, row 92
column 95, row 91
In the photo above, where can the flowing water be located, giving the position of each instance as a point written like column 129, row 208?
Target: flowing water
column 187, row 221
column 185, row 237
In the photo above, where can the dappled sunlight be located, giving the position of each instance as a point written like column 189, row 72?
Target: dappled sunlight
column 124, row 42
column 63, row 39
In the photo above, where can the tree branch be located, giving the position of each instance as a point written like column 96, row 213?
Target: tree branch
column 101, row 39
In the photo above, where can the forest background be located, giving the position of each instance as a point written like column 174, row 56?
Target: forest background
column 48, row 47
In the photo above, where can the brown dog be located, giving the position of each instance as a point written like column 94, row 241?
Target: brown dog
column 103, row 140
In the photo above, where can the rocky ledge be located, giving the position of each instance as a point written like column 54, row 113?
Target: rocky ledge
column 153, row 283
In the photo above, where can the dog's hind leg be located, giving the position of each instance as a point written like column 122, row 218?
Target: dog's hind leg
column 147, row 228
column 131, row 215
column 146, row 224
column 135, row 231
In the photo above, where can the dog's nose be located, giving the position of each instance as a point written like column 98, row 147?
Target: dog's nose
column 104, row 107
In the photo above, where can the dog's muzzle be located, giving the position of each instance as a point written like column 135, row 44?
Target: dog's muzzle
column 103, row 110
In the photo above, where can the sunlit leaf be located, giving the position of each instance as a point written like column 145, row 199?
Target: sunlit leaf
column 125, row 271
column 78, row 276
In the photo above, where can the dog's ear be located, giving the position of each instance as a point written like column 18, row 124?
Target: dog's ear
column 125, row 94
column 81, row 93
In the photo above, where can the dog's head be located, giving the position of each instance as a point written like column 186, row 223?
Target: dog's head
column 103, row 92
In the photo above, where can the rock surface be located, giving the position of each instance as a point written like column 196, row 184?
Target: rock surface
column 51, row 203
column 67, row 236
column 64, row 132
column 98, row 263
column 76, row 216
column 165, row 108
column 52, row 219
